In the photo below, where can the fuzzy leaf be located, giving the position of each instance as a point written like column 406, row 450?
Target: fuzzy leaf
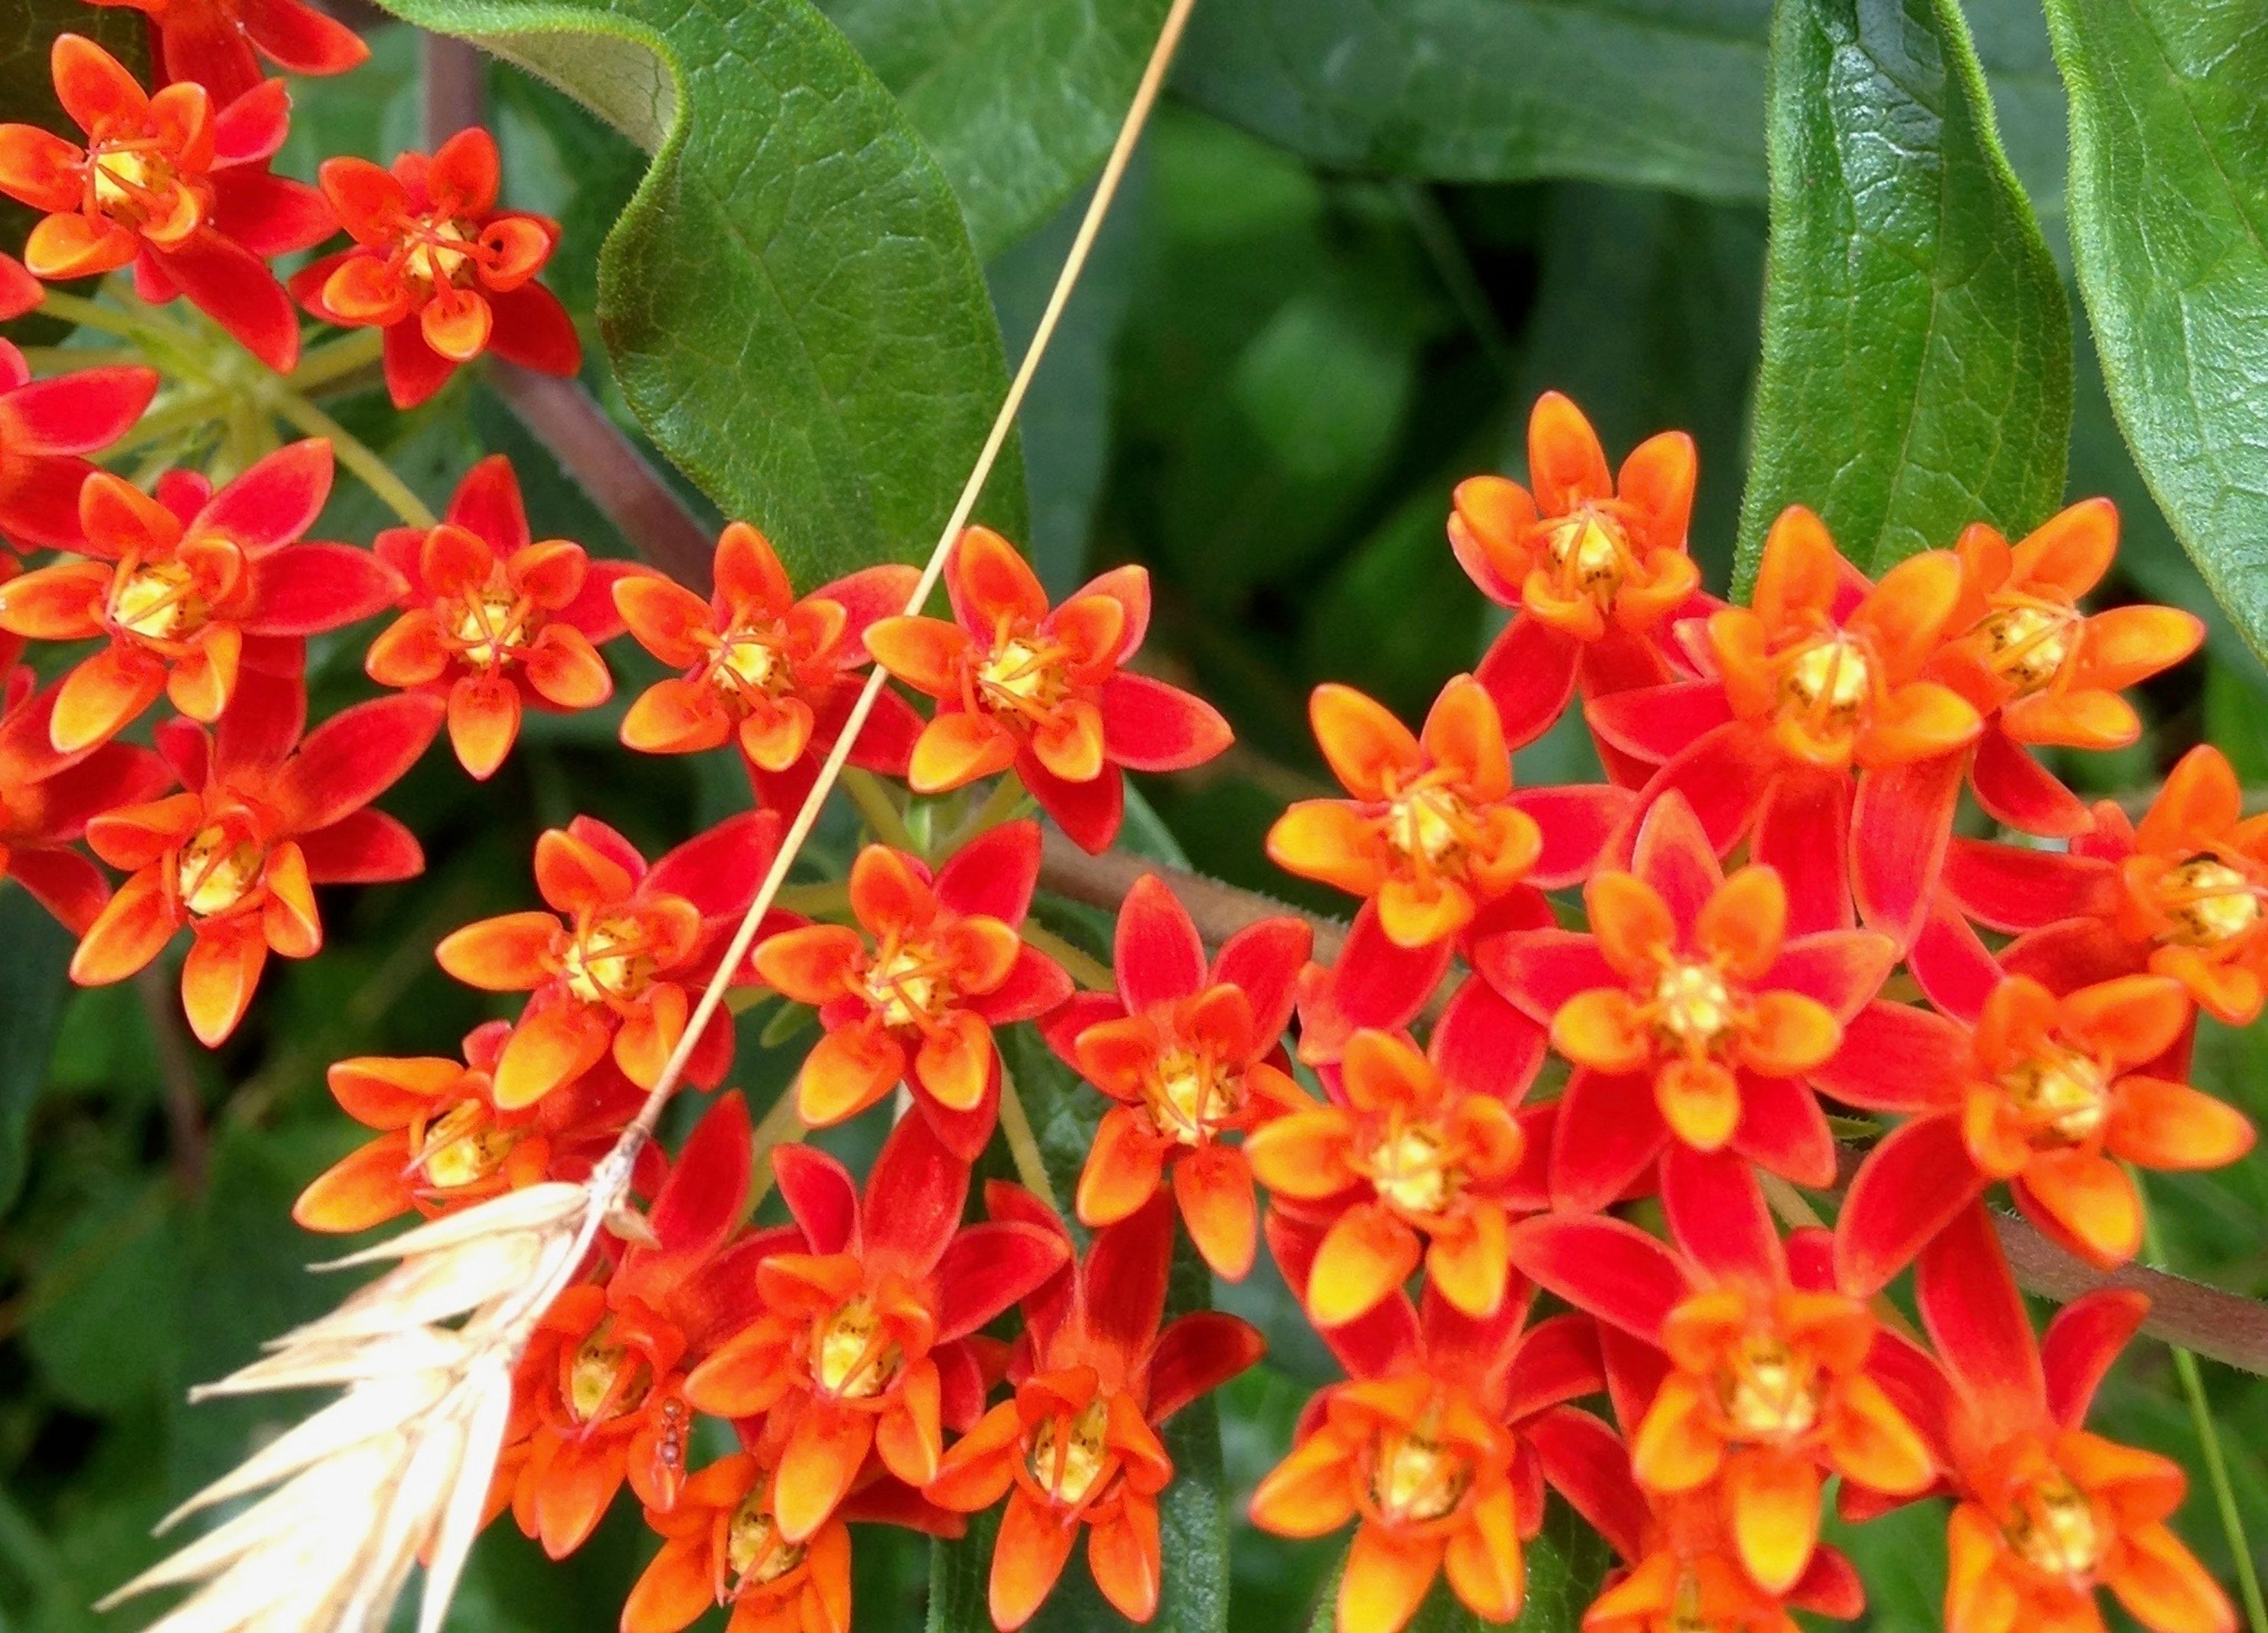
column 1917, row 370
column 790, row 302
column 2169, row 233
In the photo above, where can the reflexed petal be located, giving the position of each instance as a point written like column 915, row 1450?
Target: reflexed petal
column 1149, row 726
column 957, row 748
column 2159, row 1124
column 1385, row 1579
column 1567, row 467
column 217, row 977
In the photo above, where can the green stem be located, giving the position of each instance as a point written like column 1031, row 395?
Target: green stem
column 92, row 314
column 1089, row 972
column 1006, row 800
column 187, row 414
column 2216, row 1464
column 336, row 360
column 354, row 453
column 783, row 1125
column 1023, row 1145
column 880, row 811
column 62, row 359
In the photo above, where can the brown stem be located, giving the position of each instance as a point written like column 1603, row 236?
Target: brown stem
column 2204, row 1319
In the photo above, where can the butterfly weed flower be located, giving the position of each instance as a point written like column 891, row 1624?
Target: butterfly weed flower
column 46, row 799
column 46, row 428
column 221, row 44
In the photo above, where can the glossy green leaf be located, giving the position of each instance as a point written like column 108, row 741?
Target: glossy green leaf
column 790, row 302
column 2169, row 233
column 34, row 951
column 1917, row 354
column 1566, row 1562
column 1018, row 99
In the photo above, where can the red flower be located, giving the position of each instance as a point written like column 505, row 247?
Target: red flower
column 19, row 291
column 1767, row 1386
column 1693, row 1018
column 1686, row 1574
column 2051, row 1094
column 265, row 817
column 1595, row 565
column 1191, row 1054
column 763, row 670
column 46, row 799
column 170, row 186
column 493, row 622
column 722, row 1545
column 439, row 268
column 946, row 964
column 2046, row 1511
column 219, row 43
column 867, row 1343
column 1429, row 1450
column 444, row 1143
column 45, row 425
column 1820, row 677
column 621, row 974
column 191, row 589
column 1043, row 693
column 1078, row 1446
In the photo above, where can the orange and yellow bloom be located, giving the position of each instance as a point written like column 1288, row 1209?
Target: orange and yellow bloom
column 1042, row 692
column 721, row 1545
column 45, row 428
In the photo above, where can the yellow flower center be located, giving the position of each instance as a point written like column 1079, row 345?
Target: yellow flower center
column 608, row 961
column 1186, row 1097
column 1590, row 555
column 490, row 626
column 462, row 1148
column 1415, row 1480
column 1020, row 678
column 434, row 257
column 1410, row 1171
column 2208, row 901
column 1828, row 682
column 604, row 1380
column 2028, row 646
column 2054, row 1528
column 851, row 1358
column 1068, row 1464
column 216, row 870
column 139, row 188
column 749, row 662
column 1692, row 1006
column 157, row 601
column 906, row 989
column 2063, row 1097
column 1428, row 824
column 754, row 1554
column 1768, row 1392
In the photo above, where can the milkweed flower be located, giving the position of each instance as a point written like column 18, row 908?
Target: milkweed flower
column 2047, row 1512
column 19, row 291
column 2181, row 893
column 439, row 268
column 2052, row 1095
column 494, row 620
column 614, row 967
column 1044, row 692
column 1767, row 1387
column 1692, row 1017
column 1078, row 1446
column 868, row 1339
column 914, row 998
column 763, row 670
column 192, row 588
column 1593, row 562
column 220, row 43
column 174, row 187
column 1818, row 737
column 444, row 1143
column 1427, row 1448
column 1191, row 1053
column 263, row 817
column 721, row 1545
column 46, row 799
column 45, row 426
column 1686, row 1573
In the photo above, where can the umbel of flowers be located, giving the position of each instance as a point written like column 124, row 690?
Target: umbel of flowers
column 1771, row 912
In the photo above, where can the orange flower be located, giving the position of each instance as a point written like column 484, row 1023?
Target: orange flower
column 439, row 268
column 763, row 669
column 171, row 186
column 493, row 621
column 721, row 1545
column 1042, row 692
column 45, row 427
column 866, row 1342
column 444, row 1143
column 945, row 966
column 1688, row 1576
column 264, row 818
column 1823, row 674
column 1191, row 1054
column 219, row 43
column 2051, row 1094
column 191, row 588
column 620, row 975
column 1414, row 1161
column 46, row 799
column 1767, row 1389
column 1078, row 1446
column 2047, row 1511
column 1594, row 564
column 1693, row 1018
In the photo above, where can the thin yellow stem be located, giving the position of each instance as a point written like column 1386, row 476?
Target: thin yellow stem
column 1006, row 799
column 1106, row 189
column 880, row 811
column 1090, row 974
column 1023, row 1144
column 107, row 320
column 373, row 472
column 357, row 350
column 782, row 1126
column 62, row 359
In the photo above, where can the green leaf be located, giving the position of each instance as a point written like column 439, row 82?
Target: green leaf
column 2169, row 233
column 790, row 302
column 1917, row 355
column 34, row 953
column 1018, row 99
column 1566, row 1562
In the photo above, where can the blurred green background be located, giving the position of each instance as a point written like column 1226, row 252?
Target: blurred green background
column 1266, row 390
